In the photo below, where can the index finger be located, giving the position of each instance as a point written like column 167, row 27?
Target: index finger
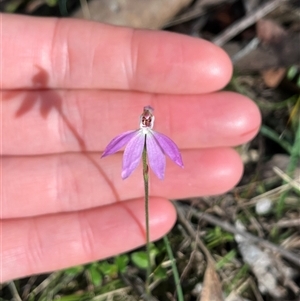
column 88, row 55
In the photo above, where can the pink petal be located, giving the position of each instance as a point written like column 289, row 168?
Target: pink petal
column 118, row 142
column 132, row 154
column 168, row 147
column 156, row 157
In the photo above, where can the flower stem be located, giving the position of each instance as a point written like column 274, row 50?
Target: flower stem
column 146, row 186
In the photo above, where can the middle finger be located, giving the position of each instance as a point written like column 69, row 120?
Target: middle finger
column 51, row 121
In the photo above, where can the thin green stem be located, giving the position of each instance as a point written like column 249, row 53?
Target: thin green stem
column 146, row 185
column 271, row 134
column 174, row 269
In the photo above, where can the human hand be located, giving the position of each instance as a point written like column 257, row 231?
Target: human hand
column 69, row 87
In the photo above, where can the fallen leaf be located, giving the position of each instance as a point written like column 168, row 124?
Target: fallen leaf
column 212, row 288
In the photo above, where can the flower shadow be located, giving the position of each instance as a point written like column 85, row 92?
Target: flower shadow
column 53, row 101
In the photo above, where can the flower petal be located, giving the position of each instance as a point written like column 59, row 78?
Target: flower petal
column 156, row 157
column 132, row 154
column 118, row 142
column 168, row 147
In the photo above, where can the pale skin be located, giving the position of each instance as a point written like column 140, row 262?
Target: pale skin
column 68, row 88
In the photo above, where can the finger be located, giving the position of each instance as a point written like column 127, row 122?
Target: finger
column 47, row 243
column 48, row 122
column 51, row 184
column 70, row 53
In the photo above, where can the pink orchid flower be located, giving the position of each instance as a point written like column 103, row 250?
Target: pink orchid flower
column 157, row 146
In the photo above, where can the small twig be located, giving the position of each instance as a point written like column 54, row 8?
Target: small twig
column 188, row 266
column 117, row 292
column 246, row 50
column 276, row 191
column 245, row 22
column 137, row 286
column 238, row 290
column 294, row 183
column 45, row 283
column 229, row 228
column 190, row 15
column 255, row 290
column 195, row 235
column 288, row 223
column 156, row 282
column 27, row 287
column 14, row 291
column 192, row 232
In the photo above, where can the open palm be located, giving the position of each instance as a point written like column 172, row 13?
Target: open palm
column 68, row 88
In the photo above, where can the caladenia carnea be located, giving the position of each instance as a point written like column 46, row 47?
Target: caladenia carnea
column 152, row 147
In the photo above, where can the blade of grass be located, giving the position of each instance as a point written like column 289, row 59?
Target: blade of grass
column 277, row 105
column 227, row 258
column 273, row 135
column 174, row 269
column 295, row 156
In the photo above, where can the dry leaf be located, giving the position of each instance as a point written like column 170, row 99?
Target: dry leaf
column 212, row 288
